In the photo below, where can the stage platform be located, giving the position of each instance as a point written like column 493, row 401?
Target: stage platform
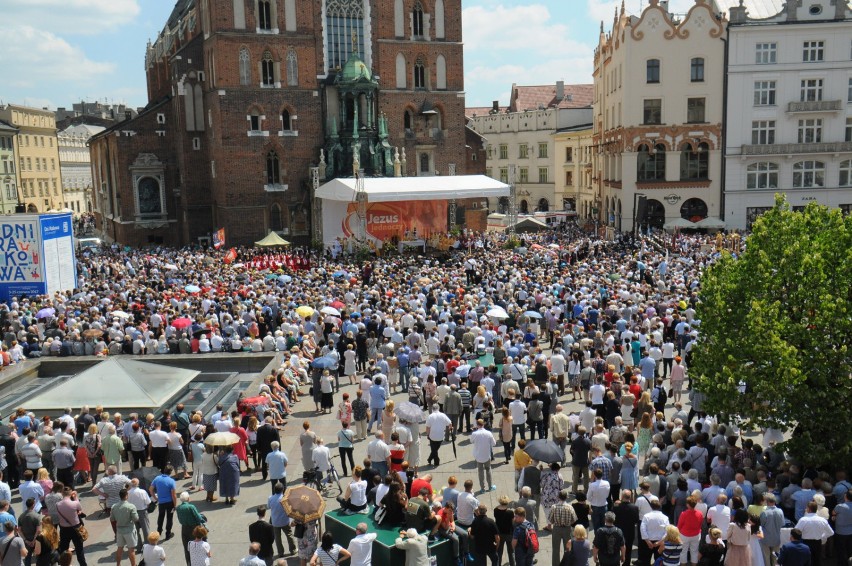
column 342, row 527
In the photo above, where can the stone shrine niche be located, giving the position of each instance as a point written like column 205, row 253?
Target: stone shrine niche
column 149, row 194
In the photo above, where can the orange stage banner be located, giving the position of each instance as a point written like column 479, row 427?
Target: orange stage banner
column 388, row 219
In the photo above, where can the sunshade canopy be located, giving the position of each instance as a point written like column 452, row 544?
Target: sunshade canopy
column 272, row 239
column 117, row 383
column 394, row 189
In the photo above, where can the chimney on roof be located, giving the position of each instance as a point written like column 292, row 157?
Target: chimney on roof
column 127, row 115
column 495, row 106
column 560, row 90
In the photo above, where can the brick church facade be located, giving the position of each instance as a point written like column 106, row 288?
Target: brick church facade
column 247, row 96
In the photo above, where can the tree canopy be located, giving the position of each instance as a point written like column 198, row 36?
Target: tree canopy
column 778, row 321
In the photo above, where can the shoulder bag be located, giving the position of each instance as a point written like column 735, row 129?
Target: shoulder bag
column 80, row 528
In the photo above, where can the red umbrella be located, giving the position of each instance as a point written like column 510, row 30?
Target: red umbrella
column 337, row 304
column 181, row 323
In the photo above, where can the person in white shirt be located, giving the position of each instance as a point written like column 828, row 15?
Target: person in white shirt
column 597, row 496
column 361, row 547
column 483, row 447
column 644, row 499
column 720, row 515
column 596, row 394
column 223, row 424
column 204, row 344
column 321, row 458
column 379, row 453
column 354, row 500
column 652, row 530
column 140, row 499
column 466, row 505
column 557, row 367
column 518, row 410
column 815, row 531
column 436, row 426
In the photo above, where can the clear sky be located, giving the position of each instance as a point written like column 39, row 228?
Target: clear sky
column 56, row 52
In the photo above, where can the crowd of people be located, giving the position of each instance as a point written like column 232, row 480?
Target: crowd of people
column 490, row 343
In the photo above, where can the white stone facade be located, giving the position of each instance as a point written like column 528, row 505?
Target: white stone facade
column 789, row 118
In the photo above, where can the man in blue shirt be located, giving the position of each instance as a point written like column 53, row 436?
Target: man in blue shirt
column 5, row 513
column 402, row 361
column 277, row 462
column 843, row 528
column 163, row 488
column 280, row 521
column 524, row 555
column 378, row 397
column 648, row 366
column 795, row 552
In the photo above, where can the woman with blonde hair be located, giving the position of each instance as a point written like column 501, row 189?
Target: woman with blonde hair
column 712, row 551
column 644, row 405
column 644, row 433
column 629, row 468
column 43, row 479
column 389, row 419
column 579, row 548
column 46, row 543
column 670, row 547
column 152, row 553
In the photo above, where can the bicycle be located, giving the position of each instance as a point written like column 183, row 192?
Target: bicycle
column 320, row 481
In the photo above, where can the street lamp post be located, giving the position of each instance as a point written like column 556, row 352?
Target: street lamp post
column 361, row 203
column 513, row 200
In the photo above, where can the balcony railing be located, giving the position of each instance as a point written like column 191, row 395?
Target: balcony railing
column 815, row 106
column 796, row 148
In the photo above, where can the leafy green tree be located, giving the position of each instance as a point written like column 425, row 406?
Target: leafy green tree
column 777, row 321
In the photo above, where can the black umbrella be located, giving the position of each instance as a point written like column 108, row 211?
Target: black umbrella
column 545, row 451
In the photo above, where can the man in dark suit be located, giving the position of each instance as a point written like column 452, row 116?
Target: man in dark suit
column 627, row 519
column 262, row 532
column 267, row 433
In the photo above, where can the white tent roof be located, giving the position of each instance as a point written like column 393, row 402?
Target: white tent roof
column 392, row 189
column 117, row 383
column 679, row 223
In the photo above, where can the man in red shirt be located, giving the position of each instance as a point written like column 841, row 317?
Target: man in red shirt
column 421, row 482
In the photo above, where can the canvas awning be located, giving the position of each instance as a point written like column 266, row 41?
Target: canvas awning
column 678, row 223
column 395, row 189
column 117, row 383
column 272, row 239
column 711, row 223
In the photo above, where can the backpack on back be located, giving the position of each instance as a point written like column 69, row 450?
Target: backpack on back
column 532, row 539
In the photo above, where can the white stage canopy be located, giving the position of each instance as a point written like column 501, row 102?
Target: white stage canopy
column 117, row 383
column 395, row 189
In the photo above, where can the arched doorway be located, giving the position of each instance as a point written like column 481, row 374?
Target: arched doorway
column 694, row 209
column 543, row 205
column 275, row 222
column 503, row 205
column 655, row 216
column 618, row 215
column 524, row 207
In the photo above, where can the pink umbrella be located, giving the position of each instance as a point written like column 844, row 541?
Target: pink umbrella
column 181, row 323
column 337, row 304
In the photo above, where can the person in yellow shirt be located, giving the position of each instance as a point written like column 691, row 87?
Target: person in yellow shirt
column 521, row 459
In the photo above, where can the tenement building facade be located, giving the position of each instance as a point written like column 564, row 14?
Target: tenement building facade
column 789, row 117
column 253, row 101
column 658, row 116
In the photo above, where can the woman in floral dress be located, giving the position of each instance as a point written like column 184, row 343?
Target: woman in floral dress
column 551, row 485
